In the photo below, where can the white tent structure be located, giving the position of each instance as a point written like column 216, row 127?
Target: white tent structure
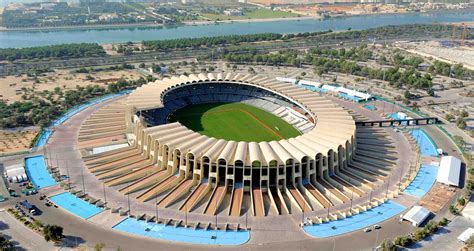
column 417, row 215
column 449, row 171
column 464, row 236
column 468, row 211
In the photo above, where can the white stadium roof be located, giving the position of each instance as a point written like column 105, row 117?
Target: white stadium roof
column 416, row 215
column 449, row 170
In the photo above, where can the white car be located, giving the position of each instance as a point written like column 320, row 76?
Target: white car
column 367, row 230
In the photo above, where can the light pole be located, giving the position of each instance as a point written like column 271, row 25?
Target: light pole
column 128, row 200
column 370, row 198
column 68, row 177
column 83, row 184
column 105, row 196
column 302, row 220
column 246, row 220
column 376, row 238
column 156, row 209
column 57, row 163
column 352, row 198
column 329, row 207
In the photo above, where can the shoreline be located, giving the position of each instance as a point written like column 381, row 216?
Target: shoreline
column 199, row 22
column 154, row 25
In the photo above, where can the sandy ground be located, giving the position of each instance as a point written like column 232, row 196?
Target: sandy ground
column 13, row 87
column 14, row 141
column 437, row 197
column 454, row 54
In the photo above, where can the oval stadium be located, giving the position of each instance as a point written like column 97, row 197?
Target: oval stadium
column 234, row 144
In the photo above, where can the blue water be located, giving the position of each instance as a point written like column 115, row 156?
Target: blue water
column 370, row 107
column 424, row 180
column 120, row 35
column 181, row 234
column 356, row 222
column 395, row 116
column 427, row 146
column 46, row 133
column 38, row 174
column 349, row 97
column 74, row 205
column 73, row 111
column 43, row 138
column 312, row 88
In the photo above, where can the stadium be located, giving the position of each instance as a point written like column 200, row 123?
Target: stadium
column 234, row 144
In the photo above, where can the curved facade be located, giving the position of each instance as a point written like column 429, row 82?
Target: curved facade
column 184, row 165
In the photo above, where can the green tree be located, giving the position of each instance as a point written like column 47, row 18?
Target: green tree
column 449, row 117
column 407, row 94
column 443, row 222
column 402, row 241
column 462, row 201
column 99, row 246
column 470, row 243
column 461, row 123
column 5, row 244
column 53, row 233
column 431, row 92
column 387, row 245
column 453, row 209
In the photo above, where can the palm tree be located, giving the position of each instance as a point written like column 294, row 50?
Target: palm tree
column 5, row 244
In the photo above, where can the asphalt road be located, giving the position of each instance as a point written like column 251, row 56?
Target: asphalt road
column 22, row 237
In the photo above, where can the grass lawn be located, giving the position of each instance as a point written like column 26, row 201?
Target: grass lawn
column 234, row 121
column 256, row 14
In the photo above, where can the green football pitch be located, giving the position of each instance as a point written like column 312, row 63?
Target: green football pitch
column 234, row 121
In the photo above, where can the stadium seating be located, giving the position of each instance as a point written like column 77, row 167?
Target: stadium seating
column 226, row 93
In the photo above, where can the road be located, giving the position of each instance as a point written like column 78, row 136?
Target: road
column 299, row 44
column 446, row 238
column 20, row 235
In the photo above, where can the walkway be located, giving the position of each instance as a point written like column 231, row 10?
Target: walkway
column 359, row 221
column 181, row 234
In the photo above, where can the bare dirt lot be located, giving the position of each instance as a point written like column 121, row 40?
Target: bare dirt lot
column 15, row 141
column 13, row 87
column 437, row 197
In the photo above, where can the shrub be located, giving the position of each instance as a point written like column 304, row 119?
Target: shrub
column 453, row 210
column 402, row 241
column 387, row 245
column 470, row 185
column 418, row 235
column 443, row 222
column 462, row 201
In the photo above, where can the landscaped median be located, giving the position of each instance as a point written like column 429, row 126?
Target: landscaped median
column 52, row 233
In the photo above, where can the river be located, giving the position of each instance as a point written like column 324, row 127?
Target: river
column 24, row 38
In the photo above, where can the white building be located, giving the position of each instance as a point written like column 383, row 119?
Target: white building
column 449, row 171
column 287, row 80
column 310, row 83
column 417, row 215
column 233, row 12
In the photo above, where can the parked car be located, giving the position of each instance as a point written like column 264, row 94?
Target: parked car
column 26, row 205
